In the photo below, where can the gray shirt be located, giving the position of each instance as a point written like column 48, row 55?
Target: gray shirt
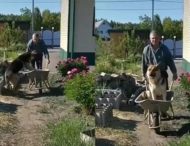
column 161, row 57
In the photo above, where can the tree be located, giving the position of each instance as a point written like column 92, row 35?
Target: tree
column 51, row 20
column 26, row 14
column 10, row 35
column 37, row 19
column 158, row 24
column 172, row 28
column 145, row 22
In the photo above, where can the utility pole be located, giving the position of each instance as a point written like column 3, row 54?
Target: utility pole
column 32, row 16
column 152, row 14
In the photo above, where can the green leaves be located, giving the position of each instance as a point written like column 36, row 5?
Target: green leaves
column 82, row 89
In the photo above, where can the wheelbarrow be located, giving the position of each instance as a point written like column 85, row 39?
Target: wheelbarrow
column 154, row 108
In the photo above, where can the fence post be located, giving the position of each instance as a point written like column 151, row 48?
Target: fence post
column 174, row 49
column 162, row 39
column 52, row 38
column 42, row 31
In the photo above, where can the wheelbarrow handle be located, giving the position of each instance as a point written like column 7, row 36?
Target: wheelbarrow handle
column 171, row 85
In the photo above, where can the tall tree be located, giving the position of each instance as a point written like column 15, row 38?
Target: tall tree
column 145, row 22
column 158, row 24
column 172, row 28
column 26, row 14
column 51, row 20
column 37, row 19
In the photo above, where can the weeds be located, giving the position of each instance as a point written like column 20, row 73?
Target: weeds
column 66, row 133
column 7, row 122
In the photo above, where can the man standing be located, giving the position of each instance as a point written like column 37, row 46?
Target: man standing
column 38, row 48
column 158, row 54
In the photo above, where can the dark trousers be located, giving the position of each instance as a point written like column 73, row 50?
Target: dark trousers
column 165, row 75
column 37, row 60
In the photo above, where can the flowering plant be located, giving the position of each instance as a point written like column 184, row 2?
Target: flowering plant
column 82, row 89
column 184, row 81
column 70, row 67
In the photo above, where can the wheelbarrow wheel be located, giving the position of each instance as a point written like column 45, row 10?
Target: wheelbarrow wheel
column 156, row 122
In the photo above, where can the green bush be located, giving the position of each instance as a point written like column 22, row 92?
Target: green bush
column 104, row 67
column 11, row 35
column 82, row 89
column 9, row 55
column 19, row 47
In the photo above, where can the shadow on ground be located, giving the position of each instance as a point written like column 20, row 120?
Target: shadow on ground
column 27, row 94
column 121, row 124
column 185, row 128
column 104, row 142
column 8, row 108
column 130, row 108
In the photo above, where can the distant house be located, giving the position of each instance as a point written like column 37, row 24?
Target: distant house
column 101, row 29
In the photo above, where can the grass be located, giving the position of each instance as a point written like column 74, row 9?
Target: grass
column 9, row 55
column 45, row 109
column 7, row 122
column 185, row 141
column 66, row 133
column 134, row 68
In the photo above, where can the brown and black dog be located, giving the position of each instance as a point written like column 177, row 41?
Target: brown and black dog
column 156, row 83
column 11, row 76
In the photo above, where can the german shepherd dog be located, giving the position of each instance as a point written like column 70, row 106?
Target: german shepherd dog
column 157, row 84
column 11, row 76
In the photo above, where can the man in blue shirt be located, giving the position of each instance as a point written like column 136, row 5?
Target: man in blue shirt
column 38, row 48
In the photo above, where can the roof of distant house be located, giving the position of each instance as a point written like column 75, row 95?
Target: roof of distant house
column 98, row 23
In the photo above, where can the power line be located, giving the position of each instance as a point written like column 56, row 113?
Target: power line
column 137, row 9
column 131, row 1
column 29, row 2
column 122, row 1
column 164, row 1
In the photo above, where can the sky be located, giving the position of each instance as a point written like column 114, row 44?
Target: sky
column 123, row 11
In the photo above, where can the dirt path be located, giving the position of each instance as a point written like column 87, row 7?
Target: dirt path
column 128, row 127
column 145, row 135
column 26, row 118
column 23, row 117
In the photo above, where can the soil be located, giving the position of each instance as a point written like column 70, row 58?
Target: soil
column 24, row 116
column 128, row 127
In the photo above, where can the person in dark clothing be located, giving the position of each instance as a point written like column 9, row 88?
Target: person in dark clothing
column 38, row 48
column 158, row 54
